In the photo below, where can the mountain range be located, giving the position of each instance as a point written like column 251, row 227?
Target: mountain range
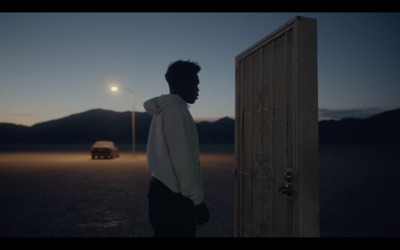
column 383, row 128
column 100, row 124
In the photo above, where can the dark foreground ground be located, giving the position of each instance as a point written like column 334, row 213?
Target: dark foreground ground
column 65, row 193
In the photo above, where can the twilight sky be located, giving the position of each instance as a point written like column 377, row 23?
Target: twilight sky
column 56, row 64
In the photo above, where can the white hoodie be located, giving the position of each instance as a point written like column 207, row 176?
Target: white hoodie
column 173, row 146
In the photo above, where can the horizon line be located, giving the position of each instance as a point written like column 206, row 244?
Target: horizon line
column 323, row 115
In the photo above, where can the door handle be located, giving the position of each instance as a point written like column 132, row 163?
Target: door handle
column 286, row 189
column 288, row 176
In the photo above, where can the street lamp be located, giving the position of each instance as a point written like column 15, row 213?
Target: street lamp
column 114, row 89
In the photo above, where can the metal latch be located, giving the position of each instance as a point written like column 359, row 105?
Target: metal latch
column 286, row 189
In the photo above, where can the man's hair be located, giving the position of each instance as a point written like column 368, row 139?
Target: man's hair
column 180, row 70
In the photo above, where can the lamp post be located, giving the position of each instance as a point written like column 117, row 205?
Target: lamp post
column 115, row 88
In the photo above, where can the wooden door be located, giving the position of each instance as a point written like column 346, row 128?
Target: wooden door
column 276, row 147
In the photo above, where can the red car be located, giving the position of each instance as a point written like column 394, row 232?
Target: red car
column 105, row 149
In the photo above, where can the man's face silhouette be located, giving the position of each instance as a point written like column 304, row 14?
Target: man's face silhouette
column 190, row 90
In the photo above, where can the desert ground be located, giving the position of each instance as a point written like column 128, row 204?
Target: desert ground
column 62, row 192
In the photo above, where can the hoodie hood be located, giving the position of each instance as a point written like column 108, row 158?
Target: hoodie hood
column 155, row 105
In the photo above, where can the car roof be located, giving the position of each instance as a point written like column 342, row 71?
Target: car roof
column 103, row 143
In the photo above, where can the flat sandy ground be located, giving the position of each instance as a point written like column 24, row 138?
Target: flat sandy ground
column 67, row 194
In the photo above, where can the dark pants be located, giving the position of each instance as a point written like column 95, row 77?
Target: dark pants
column 171, row 214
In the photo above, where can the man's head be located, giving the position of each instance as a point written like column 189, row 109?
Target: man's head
column 183, row 80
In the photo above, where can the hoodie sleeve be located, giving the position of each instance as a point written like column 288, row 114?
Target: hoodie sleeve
column 181, row 137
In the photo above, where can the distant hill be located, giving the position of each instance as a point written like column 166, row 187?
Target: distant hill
column 99, row 124
column 219, row 132
column 383, row 128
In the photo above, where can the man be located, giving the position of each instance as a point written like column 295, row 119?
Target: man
column 176, row 199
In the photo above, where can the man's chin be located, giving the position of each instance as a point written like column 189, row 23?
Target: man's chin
column 192, row 101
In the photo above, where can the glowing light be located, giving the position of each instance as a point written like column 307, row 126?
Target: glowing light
column 114, row 88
